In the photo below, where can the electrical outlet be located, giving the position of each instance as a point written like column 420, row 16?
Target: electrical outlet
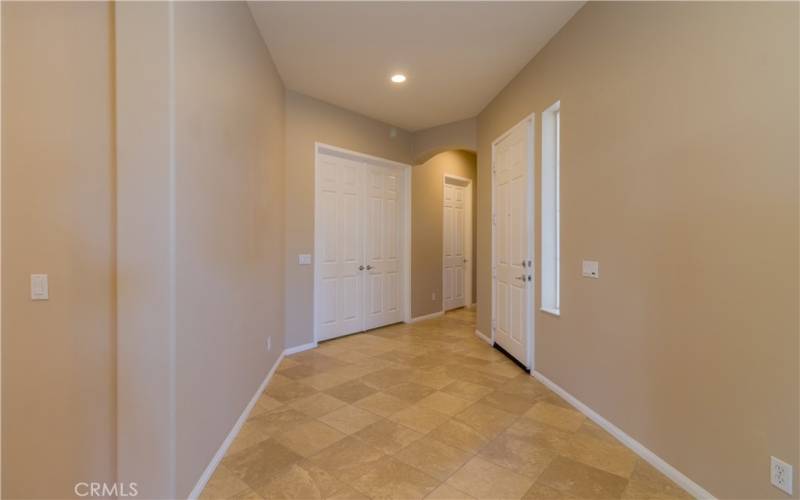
column 269, row 343
column 781, row 475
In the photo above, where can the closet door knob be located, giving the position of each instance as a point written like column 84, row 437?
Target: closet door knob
column 369, row 267
column 360, row 268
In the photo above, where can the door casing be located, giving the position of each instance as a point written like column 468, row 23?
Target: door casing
column 529, row 122
column 322, row 148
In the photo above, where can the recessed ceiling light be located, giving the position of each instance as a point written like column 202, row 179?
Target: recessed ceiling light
column 399, row 78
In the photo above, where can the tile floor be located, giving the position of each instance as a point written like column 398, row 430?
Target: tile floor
column 422, row 411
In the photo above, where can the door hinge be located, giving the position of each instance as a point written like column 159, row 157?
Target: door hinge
column 494, row 219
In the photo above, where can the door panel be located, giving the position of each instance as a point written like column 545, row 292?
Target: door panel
column 453, row 244
column 513, row 243
column 383, row 225
column 339, row 282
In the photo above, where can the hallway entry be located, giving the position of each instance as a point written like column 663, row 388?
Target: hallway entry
column 360, row 240
column 457, row 242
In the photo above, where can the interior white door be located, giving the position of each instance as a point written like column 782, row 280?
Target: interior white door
column 454, row 258
column 513, row 242
column 339, row 303
column 383, row 230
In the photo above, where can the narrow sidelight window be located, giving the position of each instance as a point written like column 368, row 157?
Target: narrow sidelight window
column 551, row 209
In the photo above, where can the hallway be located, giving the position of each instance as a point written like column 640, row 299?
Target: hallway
column 422, row 410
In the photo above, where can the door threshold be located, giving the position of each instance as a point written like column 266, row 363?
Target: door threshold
column 512, row 358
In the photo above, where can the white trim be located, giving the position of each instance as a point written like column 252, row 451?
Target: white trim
column 483, row 337
column 294, row 350
column 554, row 312
column 220, row 454
column 530, row 120
column 468, row 237
column 662, row 466
column 322, row 148
column 426, row 316
column 407, row 246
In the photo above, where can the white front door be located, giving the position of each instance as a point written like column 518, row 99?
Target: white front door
column 454, row 257
column 513, row 241
column 383, row 229
column 359, row 245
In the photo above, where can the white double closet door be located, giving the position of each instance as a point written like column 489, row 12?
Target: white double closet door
column 359, row 241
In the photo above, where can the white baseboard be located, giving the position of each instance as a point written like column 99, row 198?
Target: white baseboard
column 671, row 472
column 300, row 348
column 483, row 337
column 427, row 316
column 218, row 456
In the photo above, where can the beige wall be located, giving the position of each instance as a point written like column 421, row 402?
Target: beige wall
column 457, row 135
column 229, row 247
column 679, row 174
column 308, row 121
column 426, row 226
column 57, row 218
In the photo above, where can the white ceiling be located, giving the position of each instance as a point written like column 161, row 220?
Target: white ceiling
column 457, row 55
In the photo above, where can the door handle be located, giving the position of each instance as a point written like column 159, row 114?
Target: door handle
column 360, row 268
column 521, row 278
column 369, row 267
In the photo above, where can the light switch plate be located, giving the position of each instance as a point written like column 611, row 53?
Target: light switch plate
column 781, row 475
column 591, row 269
column 39, row 287
column 304, row 259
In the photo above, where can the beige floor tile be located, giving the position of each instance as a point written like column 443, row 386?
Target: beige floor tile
column 418, row 418
column 309, row 437
column 467, row 390
column 483, row 479
column 409, row 391
column 382, row 404
column 436, row 378
column 518, row 455
column 261, row 426
column 387, row 436
column 517, row 404
column 576, row 480
column 327, row 380
column 389, row 478
column 556, row 416
column 286, row 364
column 348, row 459
column 317, row 404
column 266, row 403
column 352, row 391
column 605, row 455
column 286, row 390
column 459, row 435
column 247, row 494
column 487, row 420
column 223, row 484
column 349, row 419
column 647, row 482
column 444, row 403
column 542, row 492
column 539, row 434
column 444, row 406
column 433, row 457
column 304, row 481
column 386, row 378
column 447, row 492
column 258, row 464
